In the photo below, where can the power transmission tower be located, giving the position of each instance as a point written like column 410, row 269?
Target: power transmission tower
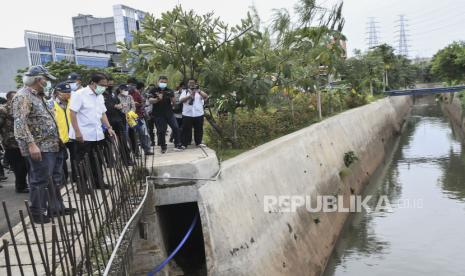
column 402, row 41
column 372, row 32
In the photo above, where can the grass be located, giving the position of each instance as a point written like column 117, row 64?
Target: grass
column 226, row 154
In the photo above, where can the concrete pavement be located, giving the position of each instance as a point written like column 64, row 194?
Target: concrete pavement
column 14, row 202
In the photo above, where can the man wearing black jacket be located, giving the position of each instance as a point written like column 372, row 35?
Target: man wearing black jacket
column 162, row 98
column 117, row 120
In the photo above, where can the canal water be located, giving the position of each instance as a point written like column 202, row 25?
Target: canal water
column 424, row 180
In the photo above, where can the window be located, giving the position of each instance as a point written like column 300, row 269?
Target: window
column 127, row 32
column 93, row 61
column 45, row 46
column 63, row 47
column 32, row 44
column 60, row 50
column 60, row 57
column 45, row 58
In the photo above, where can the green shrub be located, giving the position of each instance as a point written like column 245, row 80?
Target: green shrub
column 255, row 127
column 354, row 99
column 259, row 126
column 349, row 158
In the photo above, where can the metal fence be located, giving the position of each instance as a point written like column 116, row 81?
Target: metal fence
column 88, row 241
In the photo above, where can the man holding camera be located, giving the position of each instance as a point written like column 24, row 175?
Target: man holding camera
column 193, row 100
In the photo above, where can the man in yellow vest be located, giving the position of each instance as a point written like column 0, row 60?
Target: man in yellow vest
column 62, row 118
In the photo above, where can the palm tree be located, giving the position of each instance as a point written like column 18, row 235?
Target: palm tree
column 386, row 53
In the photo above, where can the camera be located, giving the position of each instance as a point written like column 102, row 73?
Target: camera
column 191, row 101
column 192, row 92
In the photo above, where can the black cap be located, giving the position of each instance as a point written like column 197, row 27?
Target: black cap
column 63, row 87
column 123, row 87
column 73, row 77
column 39, row 70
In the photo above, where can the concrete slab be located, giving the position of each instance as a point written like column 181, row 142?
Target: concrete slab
column 191, row 163
column 182, row 173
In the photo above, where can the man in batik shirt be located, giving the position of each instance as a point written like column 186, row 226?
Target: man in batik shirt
column 37, row 135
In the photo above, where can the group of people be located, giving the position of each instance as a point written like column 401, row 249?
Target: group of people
column 41, row 126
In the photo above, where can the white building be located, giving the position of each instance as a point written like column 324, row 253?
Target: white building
column 43, row 47
column 104, row 33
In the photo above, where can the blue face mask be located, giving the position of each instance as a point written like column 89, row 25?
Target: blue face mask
column 162, row 85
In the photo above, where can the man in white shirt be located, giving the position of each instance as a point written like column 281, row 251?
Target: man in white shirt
column 193, row 100
column 87, row 112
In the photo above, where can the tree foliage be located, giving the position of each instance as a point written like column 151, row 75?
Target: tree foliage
column 449, row 63
column 377, row 70
column 63, row 68
column 249, row 66
column 181, row 39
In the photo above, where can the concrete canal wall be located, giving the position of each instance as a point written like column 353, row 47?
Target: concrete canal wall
column 452, row 105
column 242, row 239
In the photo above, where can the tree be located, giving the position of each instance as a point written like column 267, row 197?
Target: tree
column 362, row 72
column 303, row 47
column 403, row 74
column 449, row 63
column 181, row 39
column 236, row 76
column 63, row 68
column 203, row 46
column 423, row 72
column 386, row 52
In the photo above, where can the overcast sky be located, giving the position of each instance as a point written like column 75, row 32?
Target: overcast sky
column 433, row 24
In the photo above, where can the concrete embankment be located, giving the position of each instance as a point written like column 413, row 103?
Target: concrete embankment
column 452, row 105
column 242, row 239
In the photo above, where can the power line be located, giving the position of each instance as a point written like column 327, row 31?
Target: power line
column 436, row 20
column 439, row 28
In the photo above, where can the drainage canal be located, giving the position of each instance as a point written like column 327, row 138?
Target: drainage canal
column 175, row 221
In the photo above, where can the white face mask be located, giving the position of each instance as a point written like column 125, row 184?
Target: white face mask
column 47, row 87
column 74, row 86
column 124, row 93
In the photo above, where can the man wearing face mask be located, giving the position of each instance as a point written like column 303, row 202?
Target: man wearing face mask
column 117, row 120
column 38, row 139
column 74, row 80
column 87, row 117
column 62, row 118
column 162, row 98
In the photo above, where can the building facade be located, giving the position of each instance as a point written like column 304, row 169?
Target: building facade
column 43, row 48
column 94, row 44
column 94, row 33
column 103, row 33
column 11, row 59
column 127, row 20
column 94, row 58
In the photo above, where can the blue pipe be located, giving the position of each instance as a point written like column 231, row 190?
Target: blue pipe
column 181, row 244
